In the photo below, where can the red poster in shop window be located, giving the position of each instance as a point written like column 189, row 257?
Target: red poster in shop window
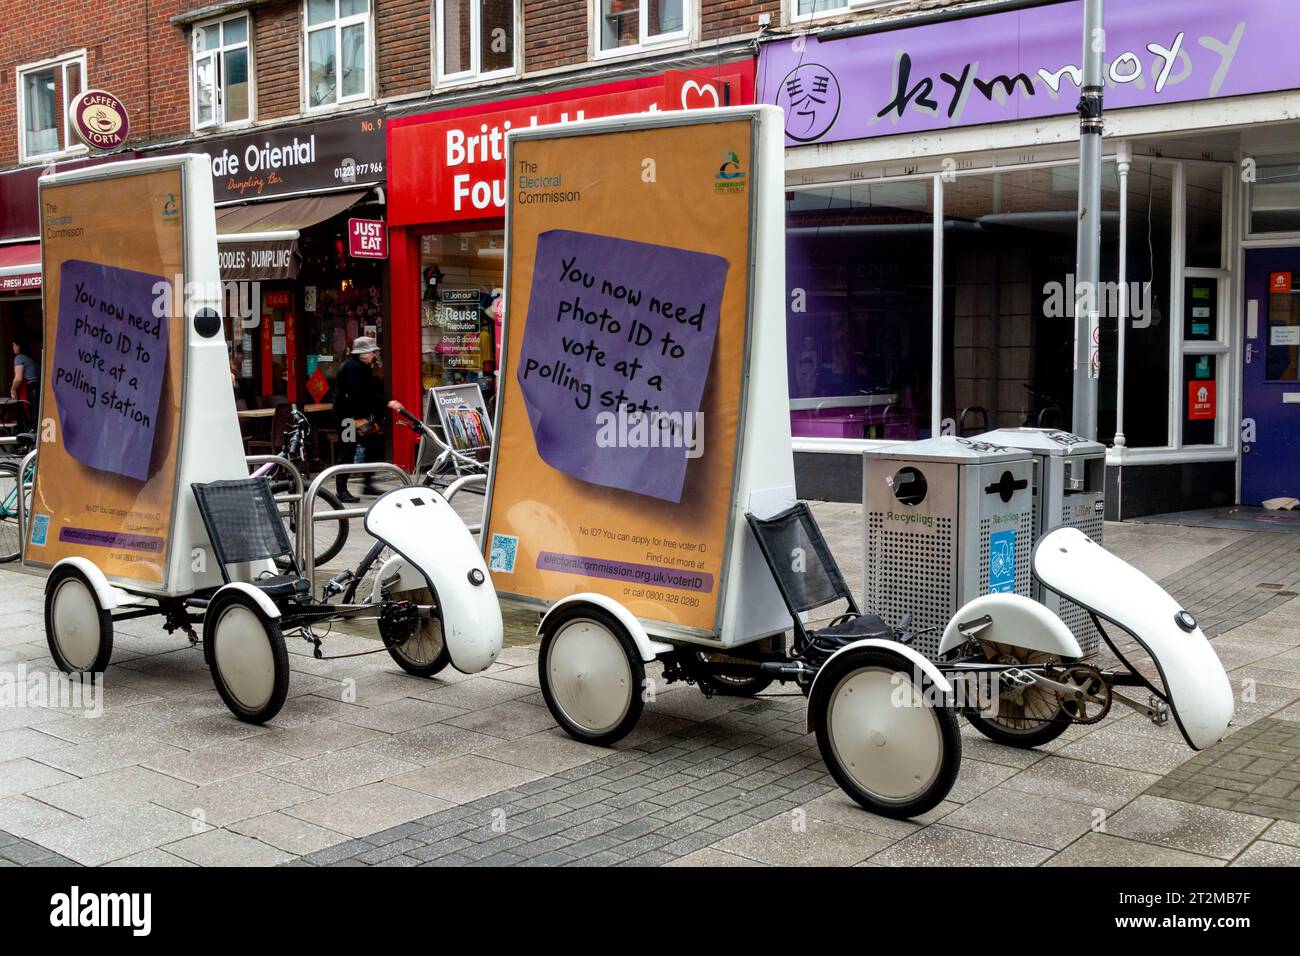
column 1279, row 282
column 1201, row 404
column 291, row 356
column 268, row 372
column 318, row 385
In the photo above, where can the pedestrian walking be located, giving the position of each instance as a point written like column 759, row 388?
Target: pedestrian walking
column 358, row 405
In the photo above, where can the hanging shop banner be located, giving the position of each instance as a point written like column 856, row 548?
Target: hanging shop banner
column 367, row 239
column 627, row 283
column 114, row 369
column 1023, row 64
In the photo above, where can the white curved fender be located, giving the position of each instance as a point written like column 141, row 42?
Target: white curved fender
column 257, row 594
column 1018, row 622
column 396, row 568
column 425, row 530
column 1200, row 694
column 649, row 649
column 108, row 595
column 918, row 660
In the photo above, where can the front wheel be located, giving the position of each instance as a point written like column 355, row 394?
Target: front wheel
column 78, row 629
column 886, row 745
column 591, row 674
column 246, row 655
column 11, row 543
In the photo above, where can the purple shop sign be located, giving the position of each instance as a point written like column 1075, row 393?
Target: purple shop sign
column 1025, row 64
column 616, row 354
column 109, row 361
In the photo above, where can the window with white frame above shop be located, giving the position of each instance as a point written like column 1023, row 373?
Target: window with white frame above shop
column 222, row 67
column 624, row 26
column 337, row 43
column 808, row 9
column 45, row 91
column 474, row 39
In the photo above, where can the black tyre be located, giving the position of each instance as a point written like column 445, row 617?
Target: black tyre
column 330, row 536
column 1025, row 717
column 424, row 653
column 887, row 746
column 592, row 675
column 724, row 685
column 246, row 656
column 78, row 630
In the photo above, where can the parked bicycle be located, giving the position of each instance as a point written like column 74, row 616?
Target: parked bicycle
column 450, row 464
column 328, row 543
column 11, row 537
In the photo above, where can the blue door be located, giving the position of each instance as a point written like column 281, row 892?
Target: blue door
column 1270, row 409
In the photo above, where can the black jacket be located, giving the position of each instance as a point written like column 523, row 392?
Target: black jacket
column 356, row 392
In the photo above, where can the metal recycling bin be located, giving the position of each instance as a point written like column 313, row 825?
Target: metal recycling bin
column 1069, row 492
column 947, row 519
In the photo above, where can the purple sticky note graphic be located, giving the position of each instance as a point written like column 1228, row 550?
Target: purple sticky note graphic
column 108, row 365
column 616, row 354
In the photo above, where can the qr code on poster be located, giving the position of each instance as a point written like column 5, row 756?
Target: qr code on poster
column 502, row 556
column 40, row 530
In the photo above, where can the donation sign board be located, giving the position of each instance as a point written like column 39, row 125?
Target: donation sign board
column 114, row 359
column 627, row 303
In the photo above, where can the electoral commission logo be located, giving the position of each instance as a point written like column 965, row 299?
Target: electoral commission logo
column 810, row 96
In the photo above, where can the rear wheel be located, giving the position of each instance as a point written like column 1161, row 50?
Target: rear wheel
column 886, row 745
column 725, row 685
column 1022, row 717
column 591, row 674
column 423, row 653
column 78, row 629
column 246, row 655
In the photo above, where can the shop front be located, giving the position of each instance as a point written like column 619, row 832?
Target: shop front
column 298, row 289
column 931, row 230
column 446, row 207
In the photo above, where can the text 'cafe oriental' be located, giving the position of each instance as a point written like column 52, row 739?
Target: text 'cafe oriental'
column 446, row 215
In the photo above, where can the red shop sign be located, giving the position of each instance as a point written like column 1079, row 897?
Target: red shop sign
column 1201, row 404
column 367, row 239
column 450, row 166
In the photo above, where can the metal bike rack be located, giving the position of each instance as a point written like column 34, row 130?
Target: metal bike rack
column 456, row 486
column 307, row 525
column 22, row 501
column 287, row 465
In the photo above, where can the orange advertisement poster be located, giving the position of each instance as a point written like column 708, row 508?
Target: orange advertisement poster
column 627, row 294
column 113, row 251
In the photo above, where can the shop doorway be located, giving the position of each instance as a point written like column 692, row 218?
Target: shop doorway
column 1270, row 461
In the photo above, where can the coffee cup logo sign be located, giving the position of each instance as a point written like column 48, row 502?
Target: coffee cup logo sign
column 99, row 119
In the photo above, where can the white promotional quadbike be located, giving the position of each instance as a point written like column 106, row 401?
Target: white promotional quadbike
column 885, row 717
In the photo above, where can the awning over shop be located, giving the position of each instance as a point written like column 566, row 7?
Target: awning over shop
column 20, row 267
column 260, row 240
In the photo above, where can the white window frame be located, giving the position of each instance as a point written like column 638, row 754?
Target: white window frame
column 475, row 72
column 337, row 25
column 219, row 52
column 645, row 43
column 70, row 146
column 845, row 7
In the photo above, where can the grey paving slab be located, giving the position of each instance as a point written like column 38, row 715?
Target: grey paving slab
column 462, row 779
column 340, row 770
column 1102, row 849
column 942, row 845
column 1025, row 818
column 118, row 834
column 788, row 840
column 363, row 810
column 221, row 847
column 294, row 836
column 1186, row 826
column 228, row 801
column 111, row 791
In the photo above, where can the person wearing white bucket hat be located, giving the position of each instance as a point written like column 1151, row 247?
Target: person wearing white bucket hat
column 358, row 405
